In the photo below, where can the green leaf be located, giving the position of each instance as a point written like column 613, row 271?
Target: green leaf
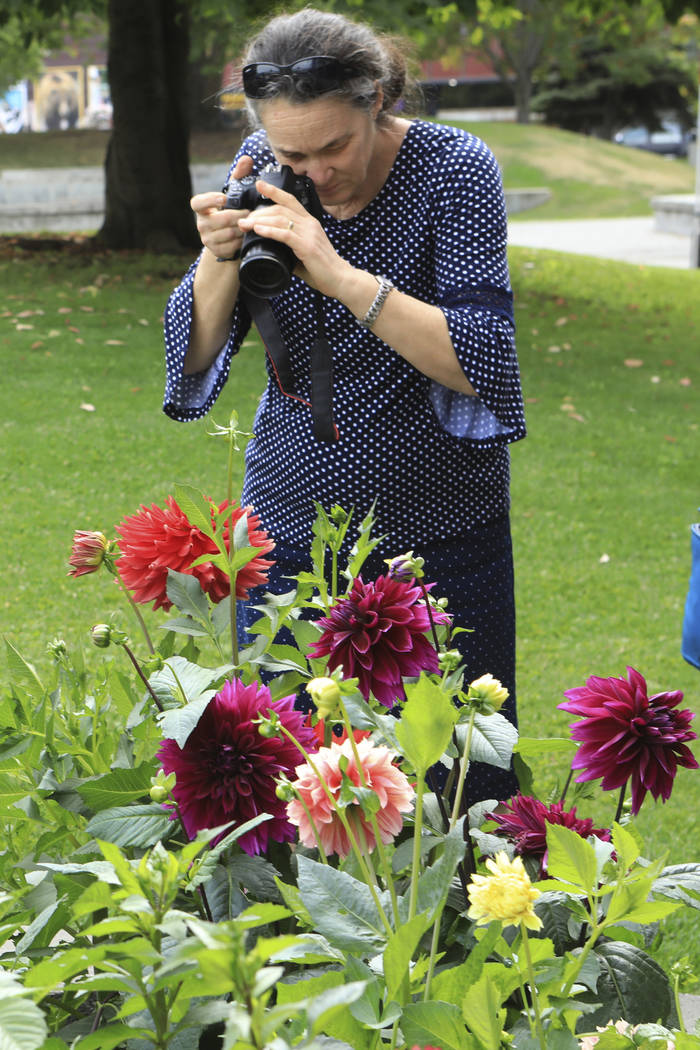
column 399, row 952
column 631, row 984
column 184, row 681
column 179, row 722
column 435, row 881
column 625, row 846
column 136, row 826
column 186, row 594
column 117, row 788
column 11, row 790
column 426, row 724
column 570, row 858
column 21, row 672
column 197, row 509
column 679, row 882
column 493, row 740
column 436, row 1024
column 327, row 1004
column 22, row 1022
column 481, row 1009
column 536, row 746
column 110, row 1036
column 341, row 907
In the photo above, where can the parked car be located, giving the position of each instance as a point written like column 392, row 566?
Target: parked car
column 671, row 141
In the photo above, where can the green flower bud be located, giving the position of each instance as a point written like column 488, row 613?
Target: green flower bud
column 285, row 791
column 162, row 785
column 57, row 648
column 268, row 727
column 101, row 635
column 450, row 660
column 325, row 693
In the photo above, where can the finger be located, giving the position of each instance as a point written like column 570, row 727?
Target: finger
column 278, row 195
column 244, row 166
column 202, row 203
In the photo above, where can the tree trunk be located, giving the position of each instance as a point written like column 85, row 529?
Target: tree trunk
column 148, row 184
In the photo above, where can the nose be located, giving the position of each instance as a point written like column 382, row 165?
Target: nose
column 320, row 172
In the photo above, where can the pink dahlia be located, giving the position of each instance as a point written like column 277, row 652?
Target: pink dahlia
column 156, row 539
column 334, row 765
column 626, row 735
column 524, row 822
column 227, row 771
column 378, row 635
column 88, row 552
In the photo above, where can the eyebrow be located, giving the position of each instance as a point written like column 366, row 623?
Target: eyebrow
column 328, row 145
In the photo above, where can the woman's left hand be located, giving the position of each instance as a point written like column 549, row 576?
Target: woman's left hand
column 287, row 221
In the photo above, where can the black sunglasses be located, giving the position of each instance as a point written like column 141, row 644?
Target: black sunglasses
column 316, row 74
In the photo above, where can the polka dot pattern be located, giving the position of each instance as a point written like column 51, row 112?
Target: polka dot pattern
column 434, row 463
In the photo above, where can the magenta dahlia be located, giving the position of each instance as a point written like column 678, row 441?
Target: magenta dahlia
column 626, row 735
column 156, row 539
column 524, row 821
column 227, row 770
column 378, row 635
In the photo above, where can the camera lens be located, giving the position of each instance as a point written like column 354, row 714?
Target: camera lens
column 263, row 272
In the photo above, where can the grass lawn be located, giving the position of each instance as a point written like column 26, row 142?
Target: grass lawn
column 604, row 488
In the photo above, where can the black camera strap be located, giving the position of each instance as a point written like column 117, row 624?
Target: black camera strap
column 321, row 404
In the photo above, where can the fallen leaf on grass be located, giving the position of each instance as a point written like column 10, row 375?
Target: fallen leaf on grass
column 114, row 342
column 685, row 381
column 87, row 407
column 604, row 559
column 633, row 362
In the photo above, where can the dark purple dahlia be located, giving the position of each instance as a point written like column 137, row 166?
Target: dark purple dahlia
column 378, row 635
column 524, row 821
column 625, row 735
column 227, row 771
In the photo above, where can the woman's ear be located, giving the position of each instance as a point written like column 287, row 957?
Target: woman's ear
column 377, row 105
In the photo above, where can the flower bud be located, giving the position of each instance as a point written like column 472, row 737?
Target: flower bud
column 88, row 552
column 406, row 567
column 268, row 727
column 101, row 635
column 162, row 785
column 57, row 648
column 284, row 790
column 450, row 660
column 325, row 693
column 487, row 691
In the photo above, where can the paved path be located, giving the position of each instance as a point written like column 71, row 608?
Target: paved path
column 627, row 240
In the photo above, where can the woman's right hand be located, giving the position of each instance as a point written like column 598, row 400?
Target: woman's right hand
column 218, row 226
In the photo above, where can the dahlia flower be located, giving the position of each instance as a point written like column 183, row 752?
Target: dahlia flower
column 378, row 635
column 626, row 735
column 525, row 820
column 156, row 539
column 333, row 766
column 507, row 895
column 88, row 552
column 226, row 771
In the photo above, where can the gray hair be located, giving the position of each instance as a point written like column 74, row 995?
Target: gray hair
column 377, row 58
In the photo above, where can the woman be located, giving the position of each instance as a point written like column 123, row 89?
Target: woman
column 409, row 257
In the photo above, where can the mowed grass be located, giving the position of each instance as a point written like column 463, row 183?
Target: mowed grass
column 604, row 487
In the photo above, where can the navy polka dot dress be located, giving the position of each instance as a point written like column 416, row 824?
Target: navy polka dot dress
column 433, row 462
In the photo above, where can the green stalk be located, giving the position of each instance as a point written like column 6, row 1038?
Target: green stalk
column 417, row 833
column 533, row 987
column 463, row 767
column 620, row 803
column 136, row 611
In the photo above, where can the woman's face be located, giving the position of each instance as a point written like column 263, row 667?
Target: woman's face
column 329, row 140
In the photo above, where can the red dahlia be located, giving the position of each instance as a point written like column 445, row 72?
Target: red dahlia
column 624, row 734
column 378, row 635
column 227, row 771
column 156, row 539
column 524, row 823
column 88, row 553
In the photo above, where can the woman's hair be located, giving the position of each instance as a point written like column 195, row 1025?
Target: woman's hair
column 376, row 58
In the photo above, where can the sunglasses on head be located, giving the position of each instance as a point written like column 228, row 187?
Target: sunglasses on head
column 317, row 74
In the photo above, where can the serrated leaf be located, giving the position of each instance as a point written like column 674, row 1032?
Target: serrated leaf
column 679, row 882
column 481, row 1009
column 117, row 788
column 493, row 740
column 22, row 673
column 11, row 789
column 436, row 1024
column 195, row 508
column 341, row 907
column 110, row 1036
column 570, row 858
column 399, row 952
column 426, row 724
column 183, row 680
column 186, row 594
column 22, row 1022
column 136, row 826
column 179, row 722
column 631, row 984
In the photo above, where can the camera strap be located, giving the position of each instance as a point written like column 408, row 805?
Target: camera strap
column 321, row 404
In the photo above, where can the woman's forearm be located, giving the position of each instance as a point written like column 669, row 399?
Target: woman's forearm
column 414, row 329
column 215, row 292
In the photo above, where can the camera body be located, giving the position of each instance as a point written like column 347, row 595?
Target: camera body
column 267, row 265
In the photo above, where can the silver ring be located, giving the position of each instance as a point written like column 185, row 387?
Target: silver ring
column 290, row 224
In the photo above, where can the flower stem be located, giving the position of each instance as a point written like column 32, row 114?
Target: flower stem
column 620, row 803
column 463, row 767
column 433, row 629
column 136, row 611
column 533, row 987
column 142, row 676
column 566, row 787
column 417, row 835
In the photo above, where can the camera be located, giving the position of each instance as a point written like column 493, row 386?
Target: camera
column 267, row 265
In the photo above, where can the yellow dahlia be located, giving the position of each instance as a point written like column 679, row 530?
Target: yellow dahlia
column 506, row 895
